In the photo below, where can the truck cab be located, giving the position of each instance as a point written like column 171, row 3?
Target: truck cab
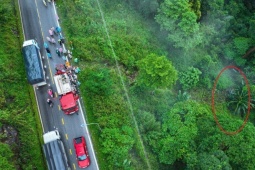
column 51, row 136
column 69, row 103
column 67, row 93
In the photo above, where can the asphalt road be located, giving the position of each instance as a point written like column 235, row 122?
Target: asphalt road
column 36, row 21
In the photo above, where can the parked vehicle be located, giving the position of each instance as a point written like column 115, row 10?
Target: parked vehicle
column 54, row 151
column 81, row 152
column 33, row 63
column 67, row 92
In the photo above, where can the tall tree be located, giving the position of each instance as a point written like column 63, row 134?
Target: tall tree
column 179, row 19
column 191, row 136
column 217, row 160
column 156, row 72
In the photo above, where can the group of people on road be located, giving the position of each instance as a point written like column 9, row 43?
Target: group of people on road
column 54, row 31
column 61, row 52
column 71, row 71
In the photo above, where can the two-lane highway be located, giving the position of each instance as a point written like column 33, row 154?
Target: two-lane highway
column 37, row 20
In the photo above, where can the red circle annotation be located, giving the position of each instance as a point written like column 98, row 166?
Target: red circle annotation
column 249, row 100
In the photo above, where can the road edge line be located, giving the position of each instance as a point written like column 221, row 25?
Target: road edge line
column 87, row 131
column 33, row 86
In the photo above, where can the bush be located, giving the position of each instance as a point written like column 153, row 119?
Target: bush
column 190, row 78
column 98, row 81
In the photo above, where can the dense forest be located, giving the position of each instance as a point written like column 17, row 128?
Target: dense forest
column 148, row 73
column 148, row 70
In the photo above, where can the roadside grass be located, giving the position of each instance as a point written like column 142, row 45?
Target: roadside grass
column 30, row 89
column 93, row 129
column 16, row 100
column 91, row 47
column 34, row 105
column 38, row 122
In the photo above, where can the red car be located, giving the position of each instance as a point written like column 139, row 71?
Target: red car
column 81, row 152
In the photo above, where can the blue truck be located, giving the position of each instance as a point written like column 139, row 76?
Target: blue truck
column 33, row 63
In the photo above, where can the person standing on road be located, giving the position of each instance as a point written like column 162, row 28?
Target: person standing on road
column 51, row 32
column 58, row 30
column 58, row 52
column 48, row 39
column 48, row 50
column 60, row 42
column 61, row 50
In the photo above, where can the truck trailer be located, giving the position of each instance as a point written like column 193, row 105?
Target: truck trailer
column 67, row 92
column 33, row 63
column 54, row 151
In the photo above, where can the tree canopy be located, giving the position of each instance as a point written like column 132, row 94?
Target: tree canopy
column 156, row 72
column 154, row 41
column 179, row 19
column 190, row 135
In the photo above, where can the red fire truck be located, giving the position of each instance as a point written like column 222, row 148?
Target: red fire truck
column 67, row 91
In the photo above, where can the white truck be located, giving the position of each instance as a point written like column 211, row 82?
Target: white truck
column 33, row 63
column 54, row 151
column 63, row 84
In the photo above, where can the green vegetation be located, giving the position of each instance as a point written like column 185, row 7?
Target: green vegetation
column 156, row 72
column 237, row 101
column 169, row 54
column 189, row 133
column 178, row 15
column 16, row 112
column 148, row 68
column 190, row 78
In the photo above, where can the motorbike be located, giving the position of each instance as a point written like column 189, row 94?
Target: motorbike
column 50, row 92
column 50, row 102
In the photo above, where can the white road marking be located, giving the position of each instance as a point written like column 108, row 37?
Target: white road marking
column 33, row 86
column 87, row 132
